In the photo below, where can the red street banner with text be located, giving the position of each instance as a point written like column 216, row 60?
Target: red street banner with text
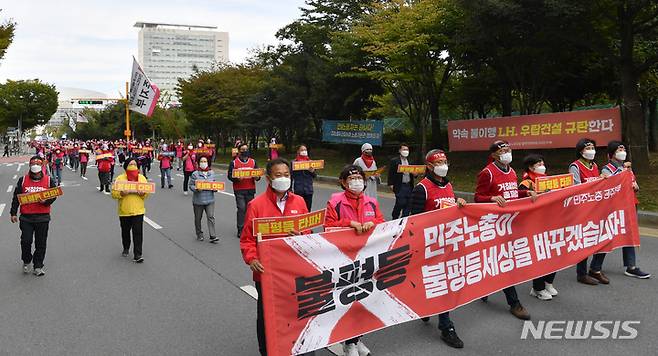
column 321, row 289
column 556, row 130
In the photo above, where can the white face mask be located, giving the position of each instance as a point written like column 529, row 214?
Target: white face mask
column 35, row 168
column 441, row 170
column 506, row 158
column 281, row 184
column 203, row 165
column 589, row 154
column 164, row 147
column 404, row 153
column 540, row 169
column 303, row 153
column 356, row 185
column 620, row 156
column 189, row 147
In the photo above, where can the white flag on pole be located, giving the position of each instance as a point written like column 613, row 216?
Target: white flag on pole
column 71, row 122
column 143, row 93
column 82, row 118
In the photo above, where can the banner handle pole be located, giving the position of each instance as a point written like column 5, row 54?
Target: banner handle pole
column 127, row 114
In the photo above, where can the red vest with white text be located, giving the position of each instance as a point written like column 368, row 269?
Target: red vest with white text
column 30, row 186
column 435, row 194
column 244, row 184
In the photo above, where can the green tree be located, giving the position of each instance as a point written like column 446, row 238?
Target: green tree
column 29, row 102
column 7, row 28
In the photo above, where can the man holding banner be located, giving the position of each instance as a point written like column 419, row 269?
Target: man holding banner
column 434, row 192
column 276, row 201
column 35, row 213
column 401, row 183
column 498, row 183
column 244, row 188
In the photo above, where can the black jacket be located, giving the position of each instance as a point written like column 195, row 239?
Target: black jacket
column 419, row 195
column 395, row 178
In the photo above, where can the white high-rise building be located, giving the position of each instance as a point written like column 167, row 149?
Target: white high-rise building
column 168, row 52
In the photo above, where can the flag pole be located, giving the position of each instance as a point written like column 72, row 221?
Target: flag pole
column 127, row 132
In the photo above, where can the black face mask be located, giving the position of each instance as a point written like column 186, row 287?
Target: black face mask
column 244, row 154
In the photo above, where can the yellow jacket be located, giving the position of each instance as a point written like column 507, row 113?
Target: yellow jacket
column 132, row 204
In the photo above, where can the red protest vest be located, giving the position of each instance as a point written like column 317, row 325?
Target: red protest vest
column 30, row 186
column 502, row 183
column 244, row 184
column 435, row 194
column 586, row 174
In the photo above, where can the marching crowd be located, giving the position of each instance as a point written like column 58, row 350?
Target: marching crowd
column 290, row 192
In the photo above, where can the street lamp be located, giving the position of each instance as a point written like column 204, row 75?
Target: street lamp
column 20, row 126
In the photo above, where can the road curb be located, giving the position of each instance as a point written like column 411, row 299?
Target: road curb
column 645, row 218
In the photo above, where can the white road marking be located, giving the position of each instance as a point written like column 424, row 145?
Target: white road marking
column 15, row 176
column 250, row 290
column 18, row 168
column 152, row 223
column 9, row 188
column 2, row 208
column 85, row 178
column 226, row 193
column 179, row 175
column 336, row 349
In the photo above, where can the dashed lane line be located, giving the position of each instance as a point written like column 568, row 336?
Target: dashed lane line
column 152, row 223
column 250, row 290
column 9, row 188
column 2, row 208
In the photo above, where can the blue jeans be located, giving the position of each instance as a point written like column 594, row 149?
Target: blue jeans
column 597, row 263
column 444, row 321
column 628, row 254
column 58, row 174
column 165, row 172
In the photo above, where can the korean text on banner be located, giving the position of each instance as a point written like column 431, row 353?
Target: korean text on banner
column 556, row 130
column 321, row 289
column 413, row 169
column 134, row 187
column 37, row 197
column 543, row 184
column 208, row 185
column 248, row 172
column 354, row 132
column 144, row 94
column 281, row 226
column 306, row 165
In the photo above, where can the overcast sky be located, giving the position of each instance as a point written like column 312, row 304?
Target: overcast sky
column 89, row 44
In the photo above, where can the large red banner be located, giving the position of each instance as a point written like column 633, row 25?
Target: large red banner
column 321, row 289
column 556, row 130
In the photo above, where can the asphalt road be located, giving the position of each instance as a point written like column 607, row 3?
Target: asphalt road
column 186, row 299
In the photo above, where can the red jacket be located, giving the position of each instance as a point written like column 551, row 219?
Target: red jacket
column 264, row 206
column 345, row 207
column 492, row 181
column 105, row 165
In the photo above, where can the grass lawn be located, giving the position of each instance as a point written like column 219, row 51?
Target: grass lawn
column 464, row 167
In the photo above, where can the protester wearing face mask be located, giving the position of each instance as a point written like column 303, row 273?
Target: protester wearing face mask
column 189, row 166
column 244, row 189
column 368, row 164
column 57, row 165
column 165, row 157
column 303, row 180
column 203, row 200
column 401, row 183
column 617, row 163
column 533, row 168
column 428, row 195
column 276, row 201
column 498, row 183
column 584, row 169
column 104, row 166
column 84, row 159
column 131, row 210
column 352, row 208
column 35, row 217
column 179, row 155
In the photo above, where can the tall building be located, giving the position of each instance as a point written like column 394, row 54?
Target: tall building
column 71, row 101
column 168, row 52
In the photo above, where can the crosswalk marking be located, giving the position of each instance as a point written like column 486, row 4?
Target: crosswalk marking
column 152, row 223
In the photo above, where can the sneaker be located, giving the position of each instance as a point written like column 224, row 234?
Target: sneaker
column 362, row 349
column 637, row 273
column 585, row 279
column 39, row 272
column 26, row 268
column 551, row 289
column 125, row 253
column 213, row 239
column 520, row 312
column 541, row 295
column 449, row 336
column 350, row 350
column 484, row 299
column 599, row 276
column 184, row 193
column 199, row 238
column 139, row 259
column 171, row 186
column 425, row 319
column 162, row 187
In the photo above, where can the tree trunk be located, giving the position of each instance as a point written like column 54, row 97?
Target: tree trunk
column 506, row 99
column 653, row 125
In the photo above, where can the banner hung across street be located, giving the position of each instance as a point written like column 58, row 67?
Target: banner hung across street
column 321, row 289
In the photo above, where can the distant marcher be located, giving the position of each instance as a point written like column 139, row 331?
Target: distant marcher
column 203, row 200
